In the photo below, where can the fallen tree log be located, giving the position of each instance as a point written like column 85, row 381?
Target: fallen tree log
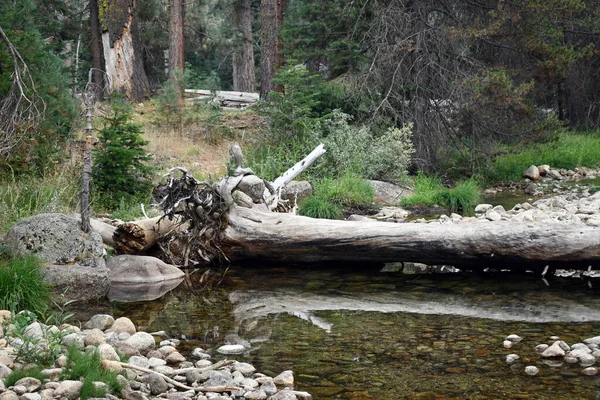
column 138, row 236
column 276, row 237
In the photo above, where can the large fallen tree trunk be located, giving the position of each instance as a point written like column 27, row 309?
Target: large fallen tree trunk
column 278, row 237
column 138, row 236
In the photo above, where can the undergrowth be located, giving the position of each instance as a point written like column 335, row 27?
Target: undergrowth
column 569, row 151
column 22, row 285
column 17, row 374
column 87, row 365
column 429, row 191
column 332, row 195
column 31, row 195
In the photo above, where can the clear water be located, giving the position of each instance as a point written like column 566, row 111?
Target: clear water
column 362, row 334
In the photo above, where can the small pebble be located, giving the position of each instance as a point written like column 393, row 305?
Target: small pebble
column 514, row 338
column 511, row 358
column 531, row 370
column 590, row 371
column 540, row 348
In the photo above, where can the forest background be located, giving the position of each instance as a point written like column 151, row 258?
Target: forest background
column 459, row 88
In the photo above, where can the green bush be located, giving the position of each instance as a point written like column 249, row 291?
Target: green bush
column 87, row 365
column 22, row 285
column 360, row 149
column 120, row 169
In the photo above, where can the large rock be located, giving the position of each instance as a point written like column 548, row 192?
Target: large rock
column 388, row 193
column 296, row 190
column 532, row 173
column 132, row 269
column 76, row 282
column 253, row 186
column 55, row 238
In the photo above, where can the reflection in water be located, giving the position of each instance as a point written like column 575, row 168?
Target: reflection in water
column 353, row 334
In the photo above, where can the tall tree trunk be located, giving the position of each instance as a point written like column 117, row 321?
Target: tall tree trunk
column 123, row 49
column 97, row 61
column 269, row 58
column 177, row 47
column 243, row 54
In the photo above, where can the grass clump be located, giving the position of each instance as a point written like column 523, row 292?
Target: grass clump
column 429, row 191
column 569, row 150
column 22, row 285
column 318, row 207
column 17, row 374
column 87, row 365
column 31, row 195
column 332, row 195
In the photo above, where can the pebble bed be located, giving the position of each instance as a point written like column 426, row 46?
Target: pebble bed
column 152, row 370
column 558, row 353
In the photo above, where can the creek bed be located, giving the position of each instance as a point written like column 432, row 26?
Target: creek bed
column 362, row 334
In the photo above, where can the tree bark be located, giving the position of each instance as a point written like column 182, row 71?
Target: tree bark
column 277, row 237
column 97, row 61
column 243, row 54
column 138, row 236
column 269, row 58
column 123, row 49
column 177, row 47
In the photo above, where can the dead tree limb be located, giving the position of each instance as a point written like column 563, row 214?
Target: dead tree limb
column 21, row 109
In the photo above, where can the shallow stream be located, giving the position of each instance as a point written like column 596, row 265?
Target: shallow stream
column 364, row 334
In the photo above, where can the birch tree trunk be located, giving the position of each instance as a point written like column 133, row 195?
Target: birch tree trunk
column 122, row 49
column 243, row 54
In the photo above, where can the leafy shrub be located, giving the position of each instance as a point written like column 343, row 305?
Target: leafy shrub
column 87, row 366
column 22, row 285
column 120, row 169
column 358, row 148
column 42, row 351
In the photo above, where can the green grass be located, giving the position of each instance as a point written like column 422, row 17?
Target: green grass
column 17, row 374
column 332, row 195
column 350, row 189
column 86, row 365
column 317, row 207
column 22, row 285
column 429, row 191
column 26, row 196
column 569, row 151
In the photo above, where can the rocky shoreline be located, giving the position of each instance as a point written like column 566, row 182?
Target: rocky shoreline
column 152, row 370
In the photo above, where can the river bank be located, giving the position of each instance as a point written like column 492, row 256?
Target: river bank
column 145, row 369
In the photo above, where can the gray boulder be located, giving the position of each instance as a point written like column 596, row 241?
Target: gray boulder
column 253, row 186
column 296, row 190
column 532, row 173
column 388, row 193
column 141, row 269
column 76, row 282
column 55, row 238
